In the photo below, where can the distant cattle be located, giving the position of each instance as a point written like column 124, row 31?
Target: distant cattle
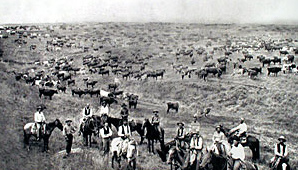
column 266, row 61
column 47, row 92
column 92, row 92
column 71, row 82
column 104, row 72
column 78, row 92
column 274, row 70
column 283, row 52
column 172, row 105
column 257, row 69
column 61, row 88
column 108, row 100
column 248, row 57
column 113, row 86
column 276, row 60
column 91, row 83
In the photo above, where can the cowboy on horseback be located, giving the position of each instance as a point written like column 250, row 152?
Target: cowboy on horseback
column 280, row 153
column 124, row 112
column 236, row 155
column 104, row 109
column 87, row 112
column 39, row 120
column 240, row 130
column 125, row 133
column 217, row 146
column 155, row 121
column 196, row 146
column 180, row 133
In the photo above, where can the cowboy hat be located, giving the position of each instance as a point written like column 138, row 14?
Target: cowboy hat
column 123, row 105
column 218, row 126
column 180, row 123
column 282, row 138
column 40, row 107
column 155, row 111
column 68, row 121
column 195, row 115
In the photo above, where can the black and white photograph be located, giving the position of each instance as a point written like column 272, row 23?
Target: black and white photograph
column 149, row 84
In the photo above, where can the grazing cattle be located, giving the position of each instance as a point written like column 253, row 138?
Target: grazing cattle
column 173, row 105
column 202, row 74
column 61, row 88
column 92, row 70
column 104, row 72
column 160, row 73
column 252, row 74
column 266, row 61
column 133, row 100
column 210, row 65
column 291, row 58
column 276, row 60
column 222, row 60
column 117, row 93
column 242, row 60
column 78, row 92
column 92, row 92
column 214, row 71
column 248, row 56
column 108, row 100
column 288, row 67
column 223, row 68
column 283, row 52
column 227, row 53
column 70, row 82
column 47, row 92
column 274, row 70
column 113, row 86
column 91, row 83
column 257, row 69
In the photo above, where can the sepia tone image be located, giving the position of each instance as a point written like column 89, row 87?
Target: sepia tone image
column 149, row 85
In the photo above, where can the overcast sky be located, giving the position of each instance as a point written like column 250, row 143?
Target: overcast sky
column 195, row 11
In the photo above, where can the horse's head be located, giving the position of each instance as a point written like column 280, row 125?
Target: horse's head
column 58, row 124
column 104, row 118
column 206, row 159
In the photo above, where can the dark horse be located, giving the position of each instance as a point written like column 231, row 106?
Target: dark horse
column 214, row 162
column 153, row 134
column 116, row 122
column 252, row 142
column 89, row 127
column 49, row 127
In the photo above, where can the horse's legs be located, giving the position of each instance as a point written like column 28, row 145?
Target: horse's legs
column 149, row 145
column 90, row 139
column 153, row 146
column 113, row 157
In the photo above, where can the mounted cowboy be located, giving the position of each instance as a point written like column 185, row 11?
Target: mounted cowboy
column 240, row 130
column 194, row 125
column 86, row 113
column 155, row 120
column 237, row 155
column 68, row 131
column 180, row 133
column 39, row 120
column 218, row 138
column 124, row 132
column 280, row 153
column 196, row 146
column 124, row 112
column 104, row 109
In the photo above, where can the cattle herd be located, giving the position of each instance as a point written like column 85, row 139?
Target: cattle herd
column 97, row 60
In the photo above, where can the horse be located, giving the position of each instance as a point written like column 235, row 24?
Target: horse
column 279, row 164
column 212, row 161
column 252, row 142
column 118, row 146
column 49, row 127
column 88, row 128
column 153, row 134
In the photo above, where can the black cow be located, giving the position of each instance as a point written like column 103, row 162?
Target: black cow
column 202, row 74
column 173, row 105
column 108, row 100
column 92, row 92
column 91, row 83
column 252, row 74
column 257, row 69
column 113, row 86
column 47, row 92
column 62, row 88
column 133, row 100
column 69, row 82
column 283, row 52
column 78, row 92
column 248, row 56
column 214, row 71
column 291, row 58
column 276, row 60
column 266, row 61
column 274, row 70
column 103, row 72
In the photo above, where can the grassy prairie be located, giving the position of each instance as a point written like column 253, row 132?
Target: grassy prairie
column 269, row 104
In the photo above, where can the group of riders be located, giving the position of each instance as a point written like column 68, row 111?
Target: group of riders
column 194, row 146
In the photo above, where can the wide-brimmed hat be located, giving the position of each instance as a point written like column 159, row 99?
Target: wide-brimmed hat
column 180, row 123
column 282, row 138
column 40, row 107
column 123, row 105
column 155, row 111
column 68, row 121
column 218, row 126
column 195, row 115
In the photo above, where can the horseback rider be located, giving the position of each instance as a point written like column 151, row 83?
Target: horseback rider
column 280, row 153
column 241, row 129
column 124, row 112
column 104, row 109
column 124, row 132
column 236, row 155
column 106, row 134
column 68, row 131
column 196, row 146
column 87, row 112
column 218, row 137
column 180, row 133
column 155, row 121
column 194, row 125
column 176, row 147
column 39, row 120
